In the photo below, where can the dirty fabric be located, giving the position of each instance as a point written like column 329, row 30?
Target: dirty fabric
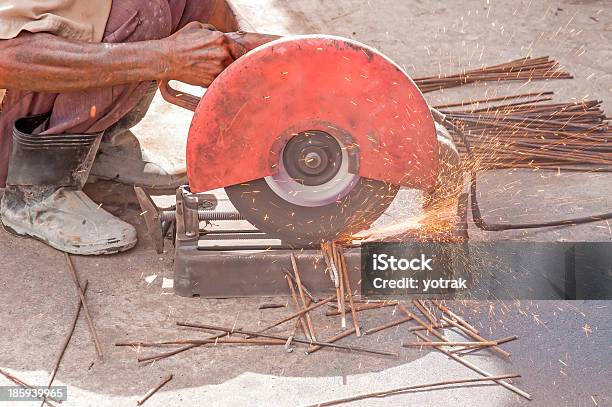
column 74, row 19
column 95, row 110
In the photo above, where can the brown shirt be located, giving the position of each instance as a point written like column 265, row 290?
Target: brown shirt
column 79, row 20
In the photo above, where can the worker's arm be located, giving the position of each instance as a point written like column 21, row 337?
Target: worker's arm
column 46, row 63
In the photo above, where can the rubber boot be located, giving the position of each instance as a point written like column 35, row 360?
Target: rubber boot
column 121, row 157
column 43, row 196
column 122, row 161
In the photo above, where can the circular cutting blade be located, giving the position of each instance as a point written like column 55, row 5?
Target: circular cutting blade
column 309, row 225
column 313, row 196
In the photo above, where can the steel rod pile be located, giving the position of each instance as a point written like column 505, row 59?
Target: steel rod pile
column 230, row 330
column 518, row 70
column 423, row 318
column 533, row 134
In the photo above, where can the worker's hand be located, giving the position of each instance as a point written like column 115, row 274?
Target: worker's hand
column 197, row 54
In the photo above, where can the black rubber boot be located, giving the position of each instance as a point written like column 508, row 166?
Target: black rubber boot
column 43, row 196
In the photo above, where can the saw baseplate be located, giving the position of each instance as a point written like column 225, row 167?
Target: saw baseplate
column 226, row 262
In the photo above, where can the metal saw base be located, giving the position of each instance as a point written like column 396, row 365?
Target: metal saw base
column 227, row 272
column 221, row 263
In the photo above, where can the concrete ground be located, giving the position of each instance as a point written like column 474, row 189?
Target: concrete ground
column 564, row 349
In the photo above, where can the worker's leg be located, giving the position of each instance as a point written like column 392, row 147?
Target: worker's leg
column 103, row 109
column 53, row 208
column 98, row 109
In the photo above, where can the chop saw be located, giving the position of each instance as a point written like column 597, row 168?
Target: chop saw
column 311, row 137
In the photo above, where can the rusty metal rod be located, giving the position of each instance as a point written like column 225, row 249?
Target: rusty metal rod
column 495, row 99
column 400, row 390
column 476, row 336
column 298, row 313
column 66, row 341
column 23, row 384
column 160, row 356
column 537, row 135
column 347, row 282
column 296, row 325
column 342, row 303
column 477, row 369
column 90, row 323
column 296, row 304
column 516, row 63
column 388, row 325
column 426, row 313
column 298, row 280
column 465, row 351
column 445, row 343
column 454, row 316
column 271, row 306
column 535, row 70
column 364, row 307
column 420, row 328
column 335, row 338
column 428, row 327
column 155, row 389
column 306, row 290
column 235, row 341
column 333, row 271
column 284, row 338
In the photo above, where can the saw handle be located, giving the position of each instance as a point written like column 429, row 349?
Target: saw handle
column 182, row 99
column 248, row 41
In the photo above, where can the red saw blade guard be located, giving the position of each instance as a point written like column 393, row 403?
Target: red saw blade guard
column 306, row 83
